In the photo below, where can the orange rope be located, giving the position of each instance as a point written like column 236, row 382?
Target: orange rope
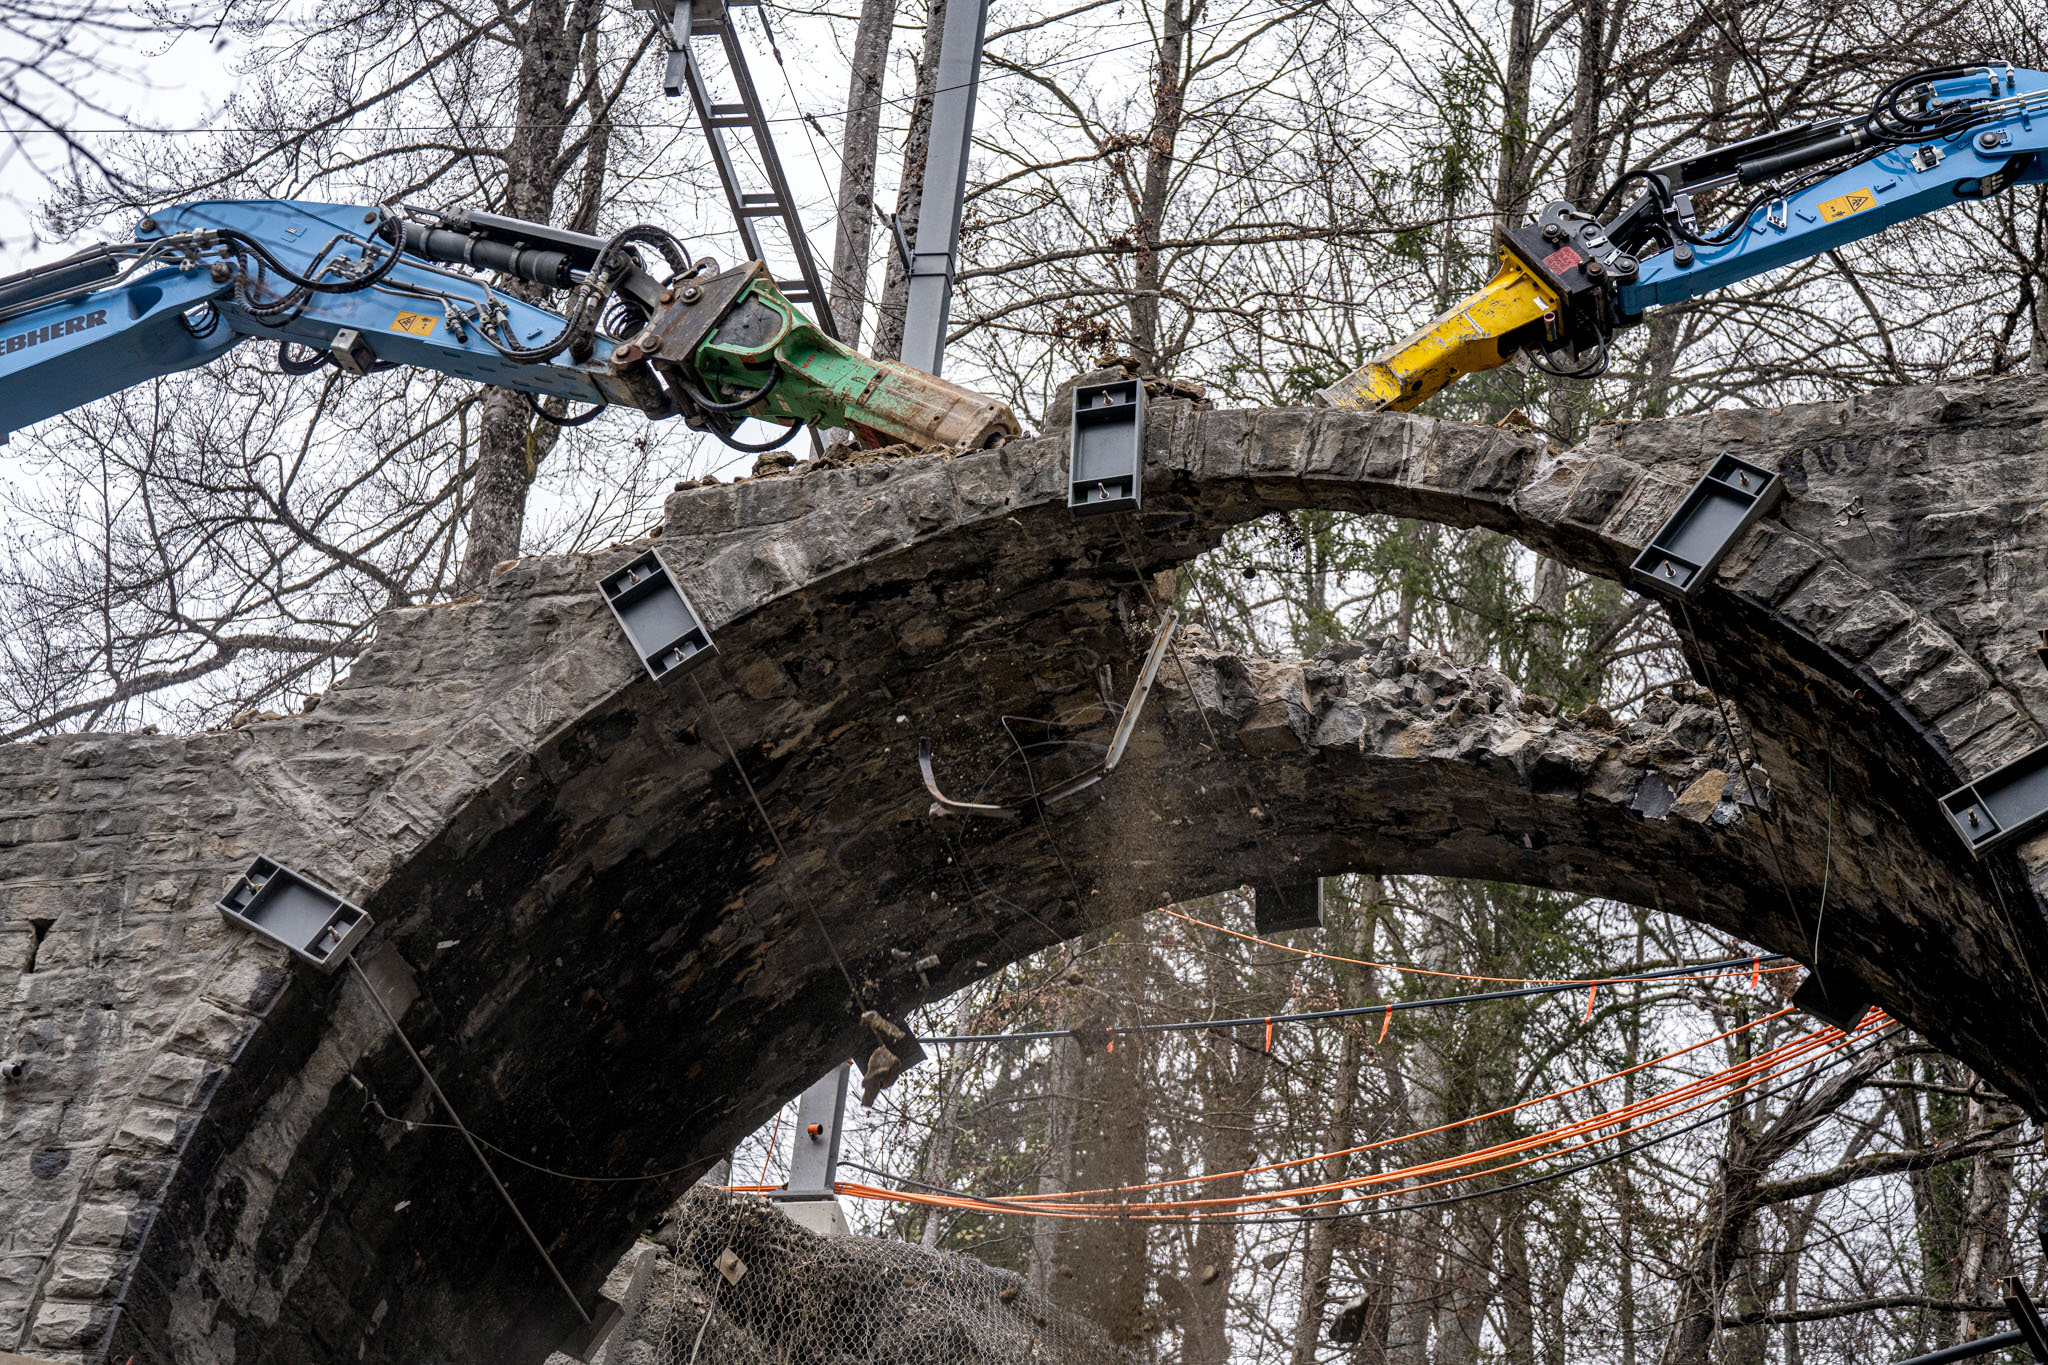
column 1701, row 1093
column 1422, row 1132
column 1791, row 1051
column 1459, row 976
column 1729, row 1082
column 1152, row 1214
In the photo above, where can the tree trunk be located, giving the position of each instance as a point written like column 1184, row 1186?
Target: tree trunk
column 1517, row 1291
column 1511, row 172
column 1107, row 1258
column 1229, row 1079
column 509, row 449
column 856, row 207
column 1054, row 1175
column 1589, row 85
column 1169, row 92
column 938, row 1156
column 1322, row 1236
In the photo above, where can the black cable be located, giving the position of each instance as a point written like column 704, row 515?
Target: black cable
column 1353, row 1011
column 317, row 359
column 710, row 404
column 581, row 419
column 587, row 303
column 783, row 863
column 725, row 438
column 1591, row 369
column 385, row 229
column 204, row 324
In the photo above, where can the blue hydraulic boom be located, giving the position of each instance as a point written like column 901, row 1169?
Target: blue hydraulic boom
column 363, row 289
column 1574, row 276
column 369, row 288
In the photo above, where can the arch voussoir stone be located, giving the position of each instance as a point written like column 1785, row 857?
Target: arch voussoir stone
column 614, row 968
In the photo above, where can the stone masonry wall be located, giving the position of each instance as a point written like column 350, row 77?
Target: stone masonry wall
column 614, row 968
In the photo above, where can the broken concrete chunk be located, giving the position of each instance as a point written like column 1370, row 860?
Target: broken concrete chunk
column 1697, row 802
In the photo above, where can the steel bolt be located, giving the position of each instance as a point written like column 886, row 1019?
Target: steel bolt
column 1594, row 270
column 668, row 295
column 146, row 225
column 1990, row 138
column 692, row 294
column 220, row 272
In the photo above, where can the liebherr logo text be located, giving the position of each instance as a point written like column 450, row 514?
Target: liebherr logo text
column 21, row 340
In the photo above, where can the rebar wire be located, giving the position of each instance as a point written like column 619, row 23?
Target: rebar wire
column 460, row 1127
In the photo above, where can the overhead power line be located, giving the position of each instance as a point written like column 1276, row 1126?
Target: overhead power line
column 1409, row 970
column 899, row 102
column 1701, row 971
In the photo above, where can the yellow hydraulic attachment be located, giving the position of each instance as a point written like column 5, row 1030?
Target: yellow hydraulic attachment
column 1463, row 341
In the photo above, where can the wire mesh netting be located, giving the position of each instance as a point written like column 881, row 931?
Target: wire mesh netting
column 737, row 1283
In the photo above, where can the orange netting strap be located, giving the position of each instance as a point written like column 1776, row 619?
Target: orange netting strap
column 1424, row 1132
column 1689, row 1098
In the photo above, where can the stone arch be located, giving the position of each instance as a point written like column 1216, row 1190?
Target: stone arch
column 586, row 927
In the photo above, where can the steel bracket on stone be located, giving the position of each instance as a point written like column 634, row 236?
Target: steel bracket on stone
column 1725, row 503
column 1280, row 909
column 292, row 909
column 1126, row 724
column 2005, row 804
column 1844, row 1007
column 810, row 1194
column 586, row 1339
column 1106, row 447
column 659, row 621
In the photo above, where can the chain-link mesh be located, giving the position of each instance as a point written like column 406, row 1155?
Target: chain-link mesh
column 737, row 1283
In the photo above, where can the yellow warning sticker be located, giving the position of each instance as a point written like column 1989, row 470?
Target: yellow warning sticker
column 420, row 325
column 1855, row 201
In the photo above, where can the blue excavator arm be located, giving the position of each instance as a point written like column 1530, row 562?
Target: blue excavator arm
column 1574, row 276
column 2002, row 146
column 367, row 288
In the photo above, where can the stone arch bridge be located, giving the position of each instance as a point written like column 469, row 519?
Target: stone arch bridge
column 612, row 966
